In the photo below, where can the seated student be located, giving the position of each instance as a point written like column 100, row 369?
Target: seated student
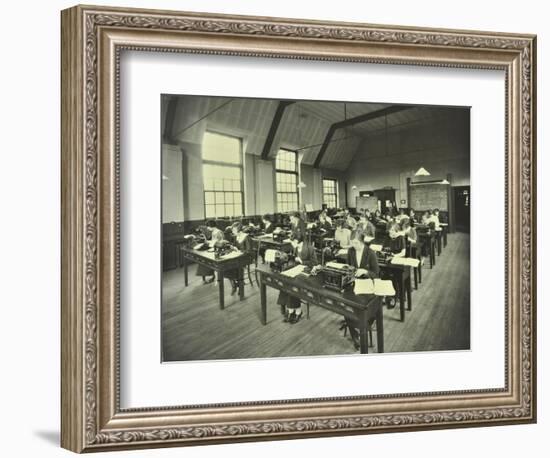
column 435, row 219
column 297, row 226
column 342, row 234
column 305, row 254
column 389, row 221
column 242, row 243
column 400, row 215
column 409, row 231
column 397, row 239
column 362, row 257
column 377, row 217
column 426, row 217
column 412, row 215
column 351, row 222
column 268, row 225
column 214, row 234
column 366, row 226
column 325, row 222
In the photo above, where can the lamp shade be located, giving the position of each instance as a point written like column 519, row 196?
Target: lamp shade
column 302, row 184
column 422, row 172
column 445, row 182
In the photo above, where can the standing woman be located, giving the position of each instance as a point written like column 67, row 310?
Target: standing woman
column 215, row 236
column 298, row 227
column 242, row 243
column 291, row 306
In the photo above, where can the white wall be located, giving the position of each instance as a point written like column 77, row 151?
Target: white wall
column 440, row 145
column 29, row 186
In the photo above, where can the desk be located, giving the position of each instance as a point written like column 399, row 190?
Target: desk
column 267, row 241
column 445, row 231
column 402, row 276
column 220, row 265
column 428, row 240
column 359, row 308
column 416, row 252
column 438, row 237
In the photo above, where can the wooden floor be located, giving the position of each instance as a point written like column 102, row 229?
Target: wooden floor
column 194, row 328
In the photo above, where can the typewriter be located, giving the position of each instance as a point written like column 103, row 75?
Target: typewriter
column 330, row 250
column 337, row 276
column 253, row 231
column 222, row 248
column 281, row 262
column 280, row 236
column 384, row 256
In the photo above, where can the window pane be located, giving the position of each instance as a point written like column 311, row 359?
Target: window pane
column 238, row 197
column 219, row 209
column 209, row 198
column 210, row 211
column 228, row 197
column 228, row 210
column 221, row 148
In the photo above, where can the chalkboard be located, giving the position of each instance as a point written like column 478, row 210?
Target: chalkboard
column 365, row 202
column 429, row 196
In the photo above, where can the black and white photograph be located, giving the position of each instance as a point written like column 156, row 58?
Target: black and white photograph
column 313, row 228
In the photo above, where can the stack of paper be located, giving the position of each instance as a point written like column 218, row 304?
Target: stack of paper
column 342, row 252
column 270, row 255
column 375, row 247
column 383, row 287
column 364, row 286
column 294, row 271
column 412, row 262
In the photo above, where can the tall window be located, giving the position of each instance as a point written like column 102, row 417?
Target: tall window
column 223, row 175
column 330, row 195
column 286, row 169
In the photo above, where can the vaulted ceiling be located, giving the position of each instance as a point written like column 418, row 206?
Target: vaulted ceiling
column 303, row 126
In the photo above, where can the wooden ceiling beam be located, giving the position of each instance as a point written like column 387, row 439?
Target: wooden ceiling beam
column 279, row 112
column 353, row 121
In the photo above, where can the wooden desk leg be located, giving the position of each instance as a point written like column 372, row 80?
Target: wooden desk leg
column 402, row 297
column 409, row 293
column 263, row 303
column 380, row 329
column 439, row 244
column 241, row 284
column 220, row 285
column 420, row 271
column 363, row 333
column 415, row 277
column 432, row 253
column 185, row 271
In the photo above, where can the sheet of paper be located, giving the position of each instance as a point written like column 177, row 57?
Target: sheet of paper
column 375, row 247
column 342, row 252
column 270, row 255
column 368, row 239
column 383, row 287
column 294, row 271
column 412, row 262
column 363, row 286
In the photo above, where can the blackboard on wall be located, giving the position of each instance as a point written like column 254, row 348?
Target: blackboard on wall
column 429, row 196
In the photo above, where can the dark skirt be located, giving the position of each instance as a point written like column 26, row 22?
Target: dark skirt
column 288, row 300
column 204, row 271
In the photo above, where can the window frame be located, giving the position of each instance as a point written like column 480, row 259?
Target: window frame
column 239, row 166
column 288, row 172
column 335, row 194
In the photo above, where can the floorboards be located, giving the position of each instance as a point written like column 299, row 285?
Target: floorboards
column 194, row 328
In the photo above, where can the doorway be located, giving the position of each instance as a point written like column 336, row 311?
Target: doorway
column 462, row 203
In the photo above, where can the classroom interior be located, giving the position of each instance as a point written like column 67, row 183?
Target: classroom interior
column 228, row 160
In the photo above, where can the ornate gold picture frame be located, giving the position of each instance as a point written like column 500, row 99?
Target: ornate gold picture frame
column 92, row 41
